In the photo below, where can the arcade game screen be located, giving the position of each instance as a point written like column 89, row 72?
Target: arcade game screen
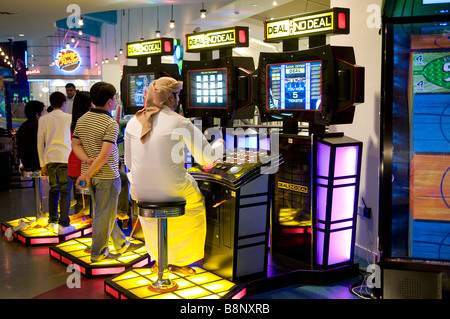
column 294, row 86
column 207, row 88
column 421, row 147
column 137, row 87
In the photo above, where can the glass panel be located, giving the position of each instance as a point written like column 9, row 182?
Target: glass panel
column 343, row 203
column 323, row 159
column 340, row 246
column 346, row 161
column 421, row 141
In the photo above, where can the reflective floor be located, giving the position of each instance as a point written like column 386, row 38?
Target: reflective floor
column 28, row 272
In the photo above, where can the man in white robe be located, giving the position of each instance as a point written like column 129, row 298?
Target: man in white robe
column 154, row 154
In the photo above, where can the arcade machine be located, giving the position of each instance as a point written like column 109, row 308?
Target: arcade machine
column 415, row 145
column 319, row 86
column 236, row 188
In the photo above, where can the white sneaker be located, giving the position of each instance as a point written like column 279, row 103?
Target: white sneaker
column 9, row 234
column 53, row 227
column 65, row 230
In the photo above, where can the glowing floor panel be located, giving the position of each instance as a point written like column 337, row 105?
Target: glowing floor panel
column 133, row 284
column 36, row 234
column 73, row 252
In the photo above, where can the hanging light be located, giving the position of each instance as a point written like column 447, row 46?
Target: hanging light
column 67, row 45
column 72, row 39
column 96, row 63
column 80, row 21
column 203, row 11
column 115, row 57
column 80, row 31
column 157, row 33
column 106, row 61
column 120, row 51
column 172, row 21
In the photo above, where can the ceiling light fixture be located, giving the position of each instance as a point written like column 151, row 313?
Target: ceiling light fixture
column 172, row 21
column 80, row 31
column 80, row 21
column 203, row 11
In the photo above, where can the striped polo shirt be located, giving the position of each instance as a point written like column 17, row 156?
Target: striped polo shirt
column 92, row 129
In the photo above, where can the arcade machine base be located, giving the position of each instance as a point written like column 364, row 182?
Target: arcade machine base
column 36, row 234
column 73, row 252
column 133, row 284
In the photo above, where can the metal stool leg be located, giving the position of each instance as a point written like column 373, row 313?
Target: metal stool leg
column 38, row 195
column 163, row 284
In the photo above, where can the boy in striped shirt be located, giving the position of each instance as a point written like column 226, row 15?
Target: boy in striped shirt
column 94, row 143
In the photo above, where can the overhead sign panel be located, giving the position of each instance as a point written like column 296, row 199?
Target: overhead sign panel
column 147, row 48
column 334, row 21
column 216, row 39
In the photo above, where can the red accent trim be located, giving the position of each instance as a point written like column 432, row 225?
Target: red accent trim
column 66, row 260
column 240, row 294
column 141, row 263
column 49, row 240
column 107, row 271
column 111, row 291
column 341, row 20
column 242, row 36
column 21, row 238
column 54, row 254
column 167, row 46
column 87, row 231
column 74, row 235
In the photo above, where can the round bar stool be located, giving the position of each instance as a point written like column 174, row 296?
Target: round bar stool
column 162, row 211
column 37, row 186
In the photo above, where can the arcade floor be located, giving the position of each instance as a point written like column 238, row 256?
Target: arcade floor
column 28, row 272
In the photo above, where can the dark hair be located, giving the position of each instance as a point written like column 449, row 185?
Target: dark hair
column 33, row 108
column 81, row 104
column 57, row 99
column 70, row 85
column 101, row 92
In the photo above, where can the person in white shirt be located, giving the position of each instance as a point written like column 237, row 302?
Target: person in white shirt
column 70, row 93
column 154, row 154
column 54, row 146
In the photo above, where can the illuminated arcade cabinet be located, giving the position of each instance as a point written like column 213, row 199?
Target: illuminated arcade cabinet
column 136, row 79
column 218, row 88
column 319, row 86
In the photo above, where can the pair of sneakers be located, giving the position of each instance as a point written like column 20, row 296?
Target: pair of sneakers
column 61, row 230
column 111, row 256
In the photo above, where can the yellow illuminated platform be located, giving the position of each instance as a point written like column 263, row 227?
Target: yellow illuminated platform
column 35, row 234
column 73, row 252
column 133, row 284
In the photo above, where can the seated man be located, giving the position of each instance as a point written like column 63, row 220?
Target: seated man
column 154, row 144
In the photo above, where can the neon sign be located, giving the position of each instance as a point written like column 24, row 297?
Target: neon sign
column 215, row 39
column 68, row 60
column 335, row 20
column 140, row 49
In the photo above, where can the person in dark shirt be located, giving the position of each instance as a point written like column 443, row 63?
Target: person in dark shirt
column 27, row 137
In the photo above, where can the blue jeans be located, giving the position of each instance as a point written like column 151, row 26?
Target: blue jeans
column 60, row 186
column 104, row 194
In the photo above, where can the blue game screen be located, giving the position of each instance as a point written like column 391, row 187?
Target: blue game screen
column 294, row 86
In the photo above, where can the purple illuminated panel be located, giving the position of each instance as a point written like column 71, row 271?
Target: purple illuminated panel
column 321, row 202
column 323, row 159
column 343, row 203
column 346, row 161
column 320, row 243
column 340, row 246
column 337, row 160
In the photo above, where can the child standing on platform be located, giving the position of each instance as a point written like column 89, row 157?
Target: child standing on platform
column 54, row 148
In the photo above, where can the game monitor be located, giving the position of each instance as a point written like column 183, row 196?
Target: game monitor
column 135, row 82
column 309, row 86
column 217, row 88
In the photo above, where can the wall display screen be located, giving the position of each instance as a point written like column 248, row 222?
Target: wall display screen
column 137, row 87
column 208, row 88
column 295, row 86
